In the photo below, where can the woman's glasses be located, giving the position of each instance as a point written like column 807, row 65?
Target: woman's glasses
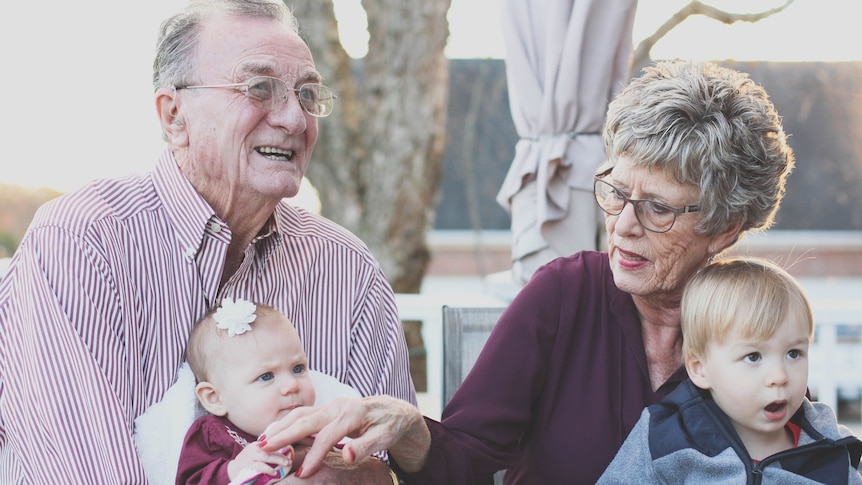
column 653, row 216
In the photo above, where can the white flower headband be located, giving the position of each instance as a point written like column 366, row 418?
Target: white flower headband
column 235, row 316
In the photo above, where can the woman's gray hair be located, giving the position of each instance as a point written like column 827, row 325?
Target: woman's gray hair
column 178, row 36
column 707, row 126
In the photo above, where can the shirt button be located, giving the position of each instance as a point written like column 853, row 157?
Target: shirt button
column 190, row 253
column 215, row 227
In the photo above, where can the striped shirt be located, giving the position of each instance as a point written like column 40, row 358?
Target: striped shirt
column 98, row 302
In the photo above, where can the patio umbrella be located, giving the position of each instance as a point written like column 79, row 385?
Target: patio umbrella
column 565, row 60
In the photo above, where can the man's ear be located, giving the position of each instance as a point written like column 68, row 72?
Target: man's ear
column 697, row 372
column 210, row 399
column 170, row 117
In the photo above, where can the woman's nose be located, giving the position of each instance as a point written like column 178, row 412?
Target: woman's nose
column 628, row 222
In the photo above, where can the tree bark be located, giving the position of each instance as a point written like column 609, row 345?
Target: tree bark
column 377, row 165
column 379, row 157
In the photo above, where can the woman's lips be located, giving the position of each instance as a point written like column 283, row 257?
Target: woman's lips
column 630, row 260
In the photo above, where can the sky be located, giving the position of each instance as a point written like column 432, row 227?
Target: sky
column 78, row 99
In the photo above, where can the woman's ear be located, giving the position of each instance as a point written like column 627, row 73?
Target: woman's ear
column 170, row 117
column 722, row 241
column 697, row 372
column 210, row 399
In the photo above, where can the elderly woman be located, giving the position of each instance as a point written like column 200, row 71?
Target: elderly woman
column 697, row 157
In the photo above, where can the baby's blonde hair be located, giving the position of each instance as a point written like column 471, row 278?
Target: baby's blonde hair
column 749, row 296
column 206, row 340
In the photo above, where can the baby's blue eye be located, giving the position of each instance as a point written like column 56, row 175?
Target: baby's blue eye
column 298, row 369
column 267, row 376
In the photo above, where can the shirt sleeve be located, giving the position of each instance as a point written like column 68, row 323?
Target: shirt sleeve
column 203, row 460
column 65, row 396
column 483, row 422
column 379, row 360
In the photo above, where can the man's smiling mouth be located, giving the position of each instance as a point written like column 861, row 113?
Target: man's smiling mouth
column 275, row 153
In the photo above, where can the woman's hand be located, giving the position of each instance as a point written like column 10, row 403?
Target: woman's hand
column 374, row 423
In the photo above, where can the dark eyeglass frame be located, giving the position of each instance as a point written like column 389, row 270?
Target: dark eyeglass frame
column 320, row 108
column 637, row 204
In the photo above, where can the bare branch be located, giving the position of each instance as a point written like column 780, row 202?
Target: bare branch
column 641, row 56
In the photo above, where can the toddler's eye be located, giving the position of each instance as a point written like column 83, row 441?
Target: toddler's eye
column 298, row 369
column 752, row 357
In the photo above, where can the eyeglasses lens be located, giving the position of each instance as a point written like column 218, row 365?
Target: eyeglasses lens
column 609, row 199
column 271, row 93
column 650, row 214
column 264, row 92
column 316, row 99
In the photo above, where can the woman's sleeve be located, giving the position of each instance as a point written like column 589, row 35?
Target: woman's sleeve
column 487, row 416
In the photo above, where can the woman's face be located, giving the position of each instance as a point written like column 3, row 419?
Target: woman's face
column 646, row 263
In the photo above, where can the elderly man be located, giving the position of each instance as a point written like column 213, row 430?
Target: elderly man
column 98, row 302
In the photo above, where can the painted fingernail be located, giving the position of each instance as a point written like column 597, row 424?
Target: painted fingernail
column 298, row 472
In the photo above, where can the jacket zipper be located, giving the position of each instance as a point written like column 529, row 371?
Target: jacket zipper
column 822, row 443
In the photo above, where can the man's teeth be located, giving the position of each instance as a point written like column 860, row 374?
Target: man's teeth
column 276, row 153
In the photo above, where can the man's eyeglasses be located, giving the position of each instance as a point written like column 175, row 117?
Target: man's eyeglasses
column 653, row 216
column 271, row 93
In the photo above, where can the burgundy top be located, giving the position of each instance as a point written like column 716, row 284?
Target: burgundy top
column 557, row 388
column 210, row 444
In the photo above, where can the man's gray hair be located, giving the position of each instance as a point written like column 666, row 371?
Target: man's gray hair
column 178, row 36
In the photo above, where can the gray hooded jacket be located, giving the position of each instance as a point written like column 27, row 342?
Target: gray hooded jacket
column 687, row 439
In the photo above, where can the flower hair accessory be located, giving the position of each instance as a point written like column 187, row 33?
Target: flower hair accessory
column 235, row 316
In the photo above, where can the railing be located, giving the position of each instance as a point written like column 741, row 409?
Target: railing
column 835, row 356
column 429, row 310
column 835, row 368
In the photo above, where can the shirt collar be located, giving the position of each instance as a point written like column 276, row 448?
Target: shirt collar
column 190, row 214
column 187, row 211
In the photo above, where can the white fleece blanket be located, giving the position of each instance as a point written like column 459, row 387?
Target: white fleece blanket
column 160, row 431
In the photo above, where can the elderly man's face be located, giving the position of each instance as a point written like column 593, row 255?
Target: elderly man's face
column 236, row 148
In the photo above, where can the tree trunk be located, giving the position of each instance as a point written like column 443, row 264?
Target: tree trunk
column 378, row 161
column 377, row 165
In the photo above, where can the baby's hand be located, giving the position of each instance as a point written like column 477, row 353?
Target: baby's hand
column 253, row 464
